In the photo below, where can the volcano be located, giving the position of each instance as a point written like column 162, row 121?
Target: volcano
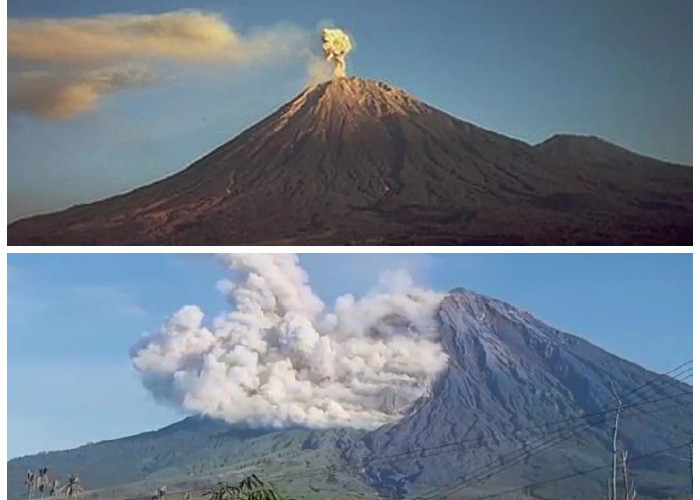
column 519, row 404
column 355, row 161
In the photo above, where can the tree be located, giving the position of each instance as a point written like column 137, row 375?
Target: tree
column 38, row 480
column 161, row 491
column 30, row 482
column 55, row 488
column 43, row 481
column 250, row 488
column 73, row 488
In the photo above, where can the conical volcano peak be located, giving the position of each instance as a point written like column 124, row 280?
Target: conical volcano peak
column 359, row 161
column 475, row 299
column 355, row 87
column 358, row 94
column 464, row 303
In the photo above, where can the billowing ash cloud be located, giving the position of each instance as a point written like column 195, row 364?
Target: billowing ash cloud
column 184, row 35
column 58, row 58
column 279, row 358
column 336, row 45
column 59, row 95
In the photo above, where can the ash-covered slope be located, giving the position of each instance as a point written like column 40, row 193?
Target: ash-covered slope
column 356, row 161
column 509, row 375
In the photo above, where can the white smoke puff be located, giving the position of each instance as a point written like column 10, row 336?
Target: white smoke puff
column 319, row 70
column 336, row 45
column 277, row 359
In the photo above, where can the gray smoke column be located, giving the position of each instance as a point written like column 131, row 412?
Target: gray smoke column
column 279, row 358
column 336, row 45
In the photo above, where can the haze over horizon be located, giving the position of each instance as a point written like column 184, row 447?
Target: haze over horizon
column 622, row 72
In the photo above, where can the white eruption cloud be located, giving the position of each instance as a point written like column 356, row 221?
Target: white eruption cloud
column 336, row 45
column 68, row 51
column 280, row 358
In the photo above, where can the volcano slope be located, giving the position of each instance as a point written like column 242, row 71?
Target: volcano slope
column 355, row 161
column 519, row 403
column 510, row 377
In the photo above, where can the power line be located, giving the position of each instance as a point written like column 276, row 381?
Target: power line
column 498, row 465
column 397, row 457
column 583, row 472
column 489, row 469
column 513, row 458
column 582, row 425
column 471, row 440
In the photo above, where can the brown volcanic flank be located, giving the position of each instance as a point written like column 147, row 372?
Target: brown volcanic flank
column 356, row 161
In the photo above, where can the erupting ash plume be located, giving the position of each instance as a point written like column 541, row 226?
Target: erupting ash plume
column 55, row 95
column 57, row 65
column 336, row 45
column 278, row 358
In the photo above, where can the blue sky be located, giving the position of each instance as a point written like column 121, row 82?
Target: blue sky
column 73, row 317
column 621, row 70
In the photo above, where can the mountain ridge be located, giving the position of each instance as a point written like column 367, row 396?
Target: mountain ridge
column 355, row 161
column 509, row 374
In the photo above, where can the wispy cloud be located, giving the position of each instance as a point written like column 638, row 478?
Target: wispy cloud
column 83, row 59
column 182, row 35
column 59, row 95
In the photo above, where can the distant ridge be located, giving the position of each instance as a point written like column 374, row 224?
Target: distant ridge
column 355, row 161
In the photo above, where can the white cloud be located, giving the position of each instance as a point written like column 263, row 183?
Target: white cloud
column 279, row 357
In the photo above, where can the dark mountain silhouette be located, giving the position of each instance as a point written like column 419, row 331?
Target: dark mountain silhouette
column 510, row 376
column 356, row 161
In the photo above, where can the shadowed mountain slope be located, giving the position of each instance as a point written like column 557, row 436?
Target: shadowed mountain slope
column 356, row 161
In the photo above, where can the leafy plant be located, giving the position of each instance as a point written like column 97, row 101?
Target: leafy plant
column 73, row 488
column 250, row 488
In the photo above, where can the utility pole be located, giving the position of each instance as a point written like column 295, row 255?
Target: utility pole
column 613, row 470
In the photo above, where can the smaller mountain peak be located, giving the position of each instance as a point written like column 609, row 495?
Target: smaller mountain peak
column 568, row 138
column 587, row 146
